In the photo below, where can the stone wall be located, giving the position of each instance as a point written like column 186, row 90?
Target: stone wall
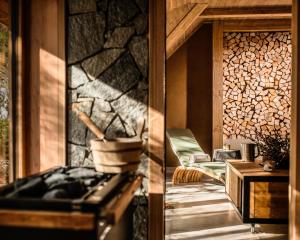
column 256, row 83
column 108, row 78
column 107, row 70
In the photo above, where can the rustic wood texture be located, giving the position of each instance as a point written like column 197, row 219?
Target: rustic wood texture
column 245, row 169
column 156, row 118
column 256, row 84
column 19, row 148
column 259, row 196
column 176, row 84
column 175, row 4
column 183, row 22
column 233, row 187
column 118, row 206
column 247, row 3
column 4, row 12
column 229, row 3
column 199, row 86
column 241, row 13
column 187, row 26
column 217, row 141
column 91, row 125
column 175, row 16
column 294, row 220
column 45, row 130
column 269, row 200
column 257, row 25
column 49, row 220
column 176, row 99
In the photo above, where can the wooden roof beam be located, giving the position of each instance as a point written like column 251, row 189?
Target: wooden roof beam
column 175, row 16
column 284, row 12
column 188, row 25
column 260, row 25
column 172, row 4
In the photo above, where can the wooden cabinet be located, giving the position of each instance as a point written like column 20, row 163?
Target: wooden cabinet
column 258, row 196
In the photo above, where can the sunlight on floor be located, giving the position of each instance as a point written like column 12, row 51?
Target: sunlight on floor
column 202, row 211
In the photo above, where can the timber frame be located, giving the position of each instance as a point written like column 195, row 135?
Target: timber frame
column 294, row 187
column 156, row 119
column 39, row 42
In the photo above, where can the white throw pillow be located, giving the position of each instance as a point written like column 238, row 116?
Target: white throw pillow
column 200, row 157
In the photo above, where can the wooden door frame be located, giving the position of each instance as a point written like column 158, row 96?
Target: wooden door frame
column 157, row 50
column 23, row 151
column 294, row 204
column 15, row 85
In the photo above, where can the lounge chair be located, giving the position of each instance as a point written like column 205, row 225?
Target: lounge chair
column 185, row 147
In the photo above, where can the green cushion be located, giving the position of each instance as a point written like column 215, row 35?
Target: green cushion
column 216, row 169
column 184, row 144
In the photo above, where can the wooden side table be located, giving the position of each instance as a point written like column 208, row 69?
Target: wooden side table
column 258, row 196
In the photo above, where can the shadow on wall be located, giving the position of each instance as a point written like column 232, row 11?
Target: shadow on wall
column 107, row 69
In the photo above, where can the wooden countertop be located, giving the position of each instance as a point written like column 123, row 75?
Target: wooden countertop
column 250, row 169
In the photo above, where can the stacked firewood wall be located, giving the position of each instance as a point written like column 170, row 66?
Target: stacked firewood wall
column 256, row 83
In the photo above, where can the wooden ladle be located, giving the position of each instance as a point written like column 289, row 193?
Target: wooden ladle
column 91, row 125
column 94, row 129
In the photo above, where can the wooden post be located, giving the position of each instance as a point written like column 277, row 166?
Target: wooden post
column 294, row 220
column 156, row 119
column 44, row 143
column 217, row 85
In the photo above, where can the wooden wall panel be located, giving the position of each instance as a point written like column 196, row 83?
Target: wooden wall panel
column 45, row 85
column 176, row 97
column 176, row 100
column 199, row 75
column 156, row 118
column 269, row 200
column 217, row 97
column 294, row 201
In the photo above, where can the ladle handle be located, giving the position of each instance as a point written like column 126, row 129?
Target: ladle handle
column 91, row 125
column 140, row 127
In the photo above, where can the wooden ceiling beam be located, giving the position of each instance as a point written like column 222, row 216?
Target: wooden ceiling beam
column 189, row 24
column 248, row 3
column 257, row 25
column 175, row 16
column 283, row 12
column 172, row 4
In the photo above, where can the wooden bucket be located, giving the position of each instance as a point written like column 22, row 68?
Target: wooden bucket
column 117, row 152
